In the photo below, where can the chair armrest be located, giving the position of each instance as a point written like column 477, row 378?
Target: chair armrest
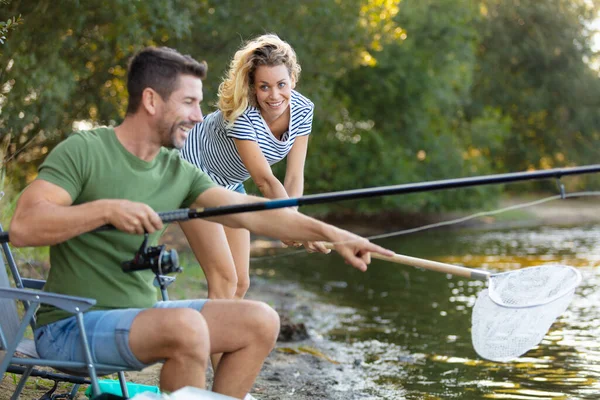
column 71, row 304
column 33, row 283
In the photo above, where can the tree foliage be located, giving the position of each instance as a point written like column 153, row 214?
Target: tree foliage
column 6, row 27
column 532, row 64
column 416, row 93
column 404, row 90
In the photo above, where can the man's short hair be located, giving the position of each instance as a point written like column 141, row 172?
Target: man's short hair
column 159, row 68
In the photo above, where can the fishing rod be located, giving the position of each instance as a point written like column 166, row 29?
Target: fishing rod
column 185, row 214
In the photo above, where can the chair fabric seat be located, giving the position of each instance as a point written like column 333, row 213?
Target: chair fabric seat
column 27, row 347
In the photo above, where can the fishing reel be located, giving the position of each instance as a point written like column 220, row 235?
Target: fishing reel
column 155, row 258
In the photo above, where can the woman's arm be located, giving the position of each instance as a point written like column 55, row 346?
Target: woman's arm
column 259, row 169
column 294, row 172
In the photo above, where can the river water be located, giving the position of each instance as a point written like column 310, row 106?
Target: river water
column 409, row 329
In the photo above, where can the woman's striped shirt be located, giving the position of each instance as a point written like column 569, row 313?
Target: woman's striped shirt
column 210, row 144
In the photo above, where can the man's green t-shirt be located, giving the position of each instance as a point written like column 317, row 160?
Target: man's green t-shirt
column 92, row 165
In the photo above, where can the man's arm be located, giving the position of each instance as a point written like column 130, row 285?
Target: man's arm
column 45, row 216
column 288, row 224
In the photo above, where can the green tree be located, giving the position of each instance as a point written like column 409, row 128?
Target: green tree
column 533, row 63
column 5, row 28
column 74, row 68
column 53, row 74
column 405, row 90
column 8, row 25
column 416, row 93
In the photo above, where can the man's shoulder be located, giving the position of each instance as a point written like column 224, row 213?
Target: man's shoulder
column 78, row 141
column 180, row 167
column 173, row 159
column 170, row 154
column 90, row 136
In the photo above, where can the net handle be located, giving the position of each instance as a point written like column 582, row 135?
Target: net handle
column 430, row 265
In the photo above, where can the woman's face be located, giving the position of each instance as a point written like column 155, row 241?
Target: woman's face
column 273, row 87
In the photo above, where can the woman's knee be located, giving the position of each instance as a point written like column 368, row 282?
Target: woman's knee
column 243, row 284
column 222, row 283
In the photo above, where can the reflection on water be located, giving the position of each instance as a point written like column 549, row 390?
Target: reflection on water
column 409, row 330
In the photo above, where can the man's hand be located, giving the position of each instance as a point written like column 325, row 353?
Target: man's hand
column 132, row 217
column 356, row 250
column 45, row 215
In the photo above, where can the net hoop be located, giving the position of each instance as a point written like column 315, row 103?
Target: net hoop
column 565, row 278
column 519, row 307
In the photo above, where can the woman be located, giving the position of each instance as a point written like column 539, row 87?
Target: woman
column 260, row 120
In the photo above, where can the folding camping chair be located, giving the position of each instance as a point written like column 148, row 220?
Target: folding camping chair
column 13, row 328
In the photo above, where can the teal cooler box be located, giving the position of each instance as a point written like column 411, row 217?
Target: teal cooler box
column 114, row 387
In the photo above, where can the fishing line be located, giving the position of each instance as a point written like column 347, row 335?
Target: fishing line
column 484, row 214
column 451, row 222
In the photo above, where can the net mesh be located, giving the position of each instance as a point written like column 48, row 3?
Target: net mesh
column 515, row 312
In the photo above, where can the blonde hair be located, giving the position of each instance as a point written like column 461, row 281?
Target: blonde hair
column 236, row 91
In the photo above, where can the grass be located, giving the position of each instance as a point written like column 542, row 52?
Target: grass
column 35, row 387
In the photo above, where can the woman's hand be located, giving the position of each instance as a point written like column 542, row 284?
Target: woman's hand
column 316, row 247
column 291, row 243
column 311, row 247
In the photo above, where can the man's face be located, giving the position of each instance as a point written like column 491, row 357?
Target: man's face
column 181, row 112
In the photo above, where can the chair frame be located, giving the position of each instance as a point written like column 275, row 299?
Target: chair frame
column 11, row 335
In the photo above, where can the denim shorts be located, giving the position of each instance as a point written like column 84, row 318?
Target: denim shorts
column 239, row 188
column 107, row 333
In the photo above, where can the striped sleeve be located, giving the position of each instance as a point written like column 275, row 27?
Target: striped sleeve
column 242, row 129
column 305, row 125
column 191, row 147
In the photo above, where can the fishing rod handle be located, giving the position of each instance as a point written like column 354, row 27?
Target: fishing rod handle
column 175, row 215
column 430, row 265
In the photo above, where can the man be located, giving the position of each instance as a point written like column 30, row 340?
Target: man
column 121, row 176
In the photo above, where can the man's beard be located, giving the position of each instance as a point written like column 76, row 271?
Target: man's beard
column 171, row 138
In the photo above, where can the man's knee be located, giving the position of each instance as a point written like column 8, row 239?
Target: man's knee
column 179, row 334
column 190, row 334
column 267, row 323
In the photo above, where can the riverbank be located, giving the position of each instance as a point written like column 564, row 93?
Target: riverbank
column 305, row 364
column 314, row 367
column 322, row 379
